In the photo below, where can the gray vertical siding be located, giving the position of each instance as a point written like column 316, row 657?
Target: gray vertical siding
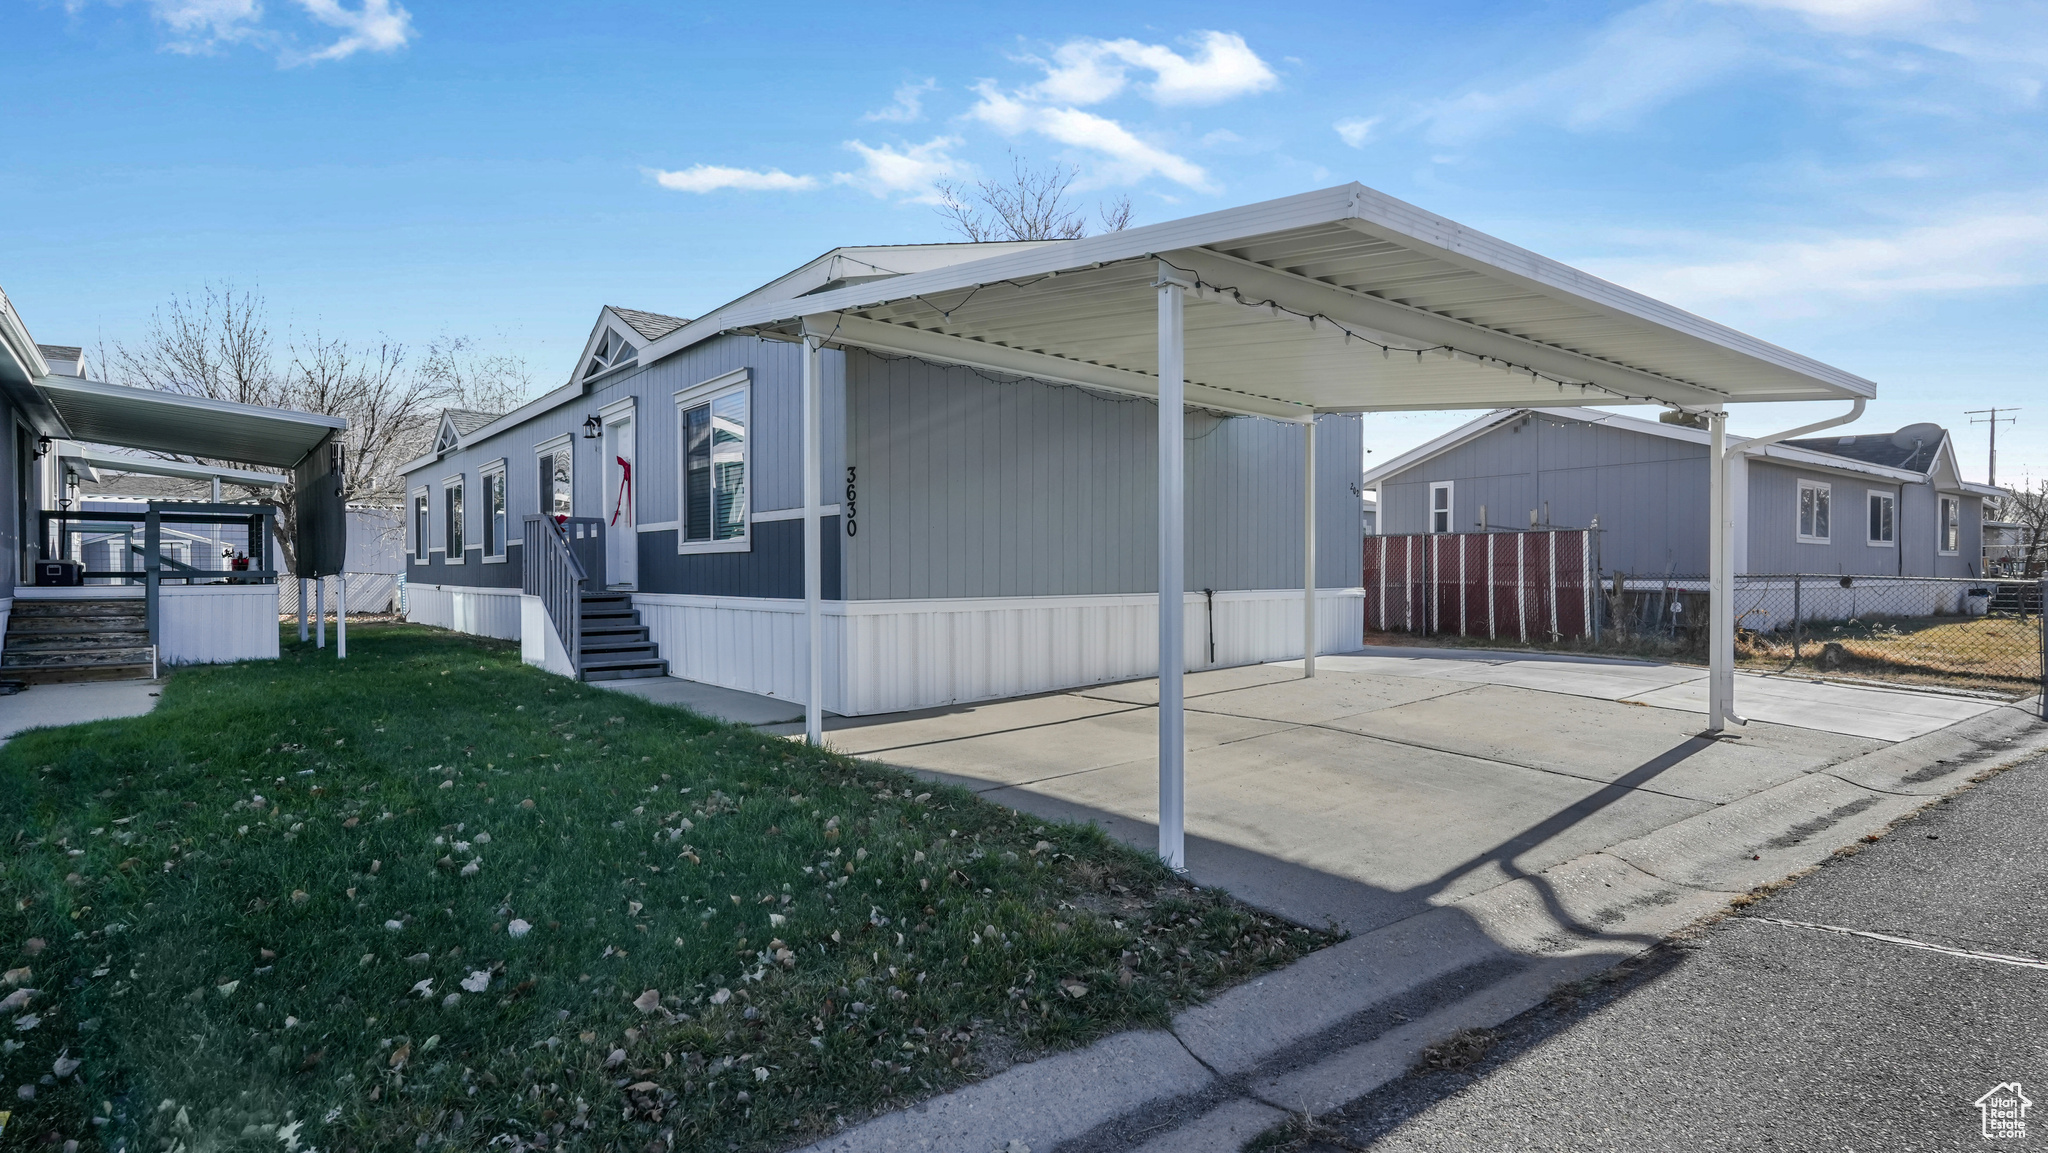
column 1774, row 545
column 969, row 487
column 1648, row 492
column 1650, row 496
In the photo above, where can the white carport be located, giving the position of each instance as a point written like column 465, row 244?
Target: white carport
column 1343, row 300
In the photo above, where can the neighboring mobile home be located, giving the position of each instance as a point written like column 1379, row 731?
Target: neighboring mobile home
column 180, row 602
column 986, row 535
column 1870, row 504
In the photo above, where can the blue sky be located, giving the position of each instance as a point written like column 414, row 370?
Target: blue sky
column 1859, row 180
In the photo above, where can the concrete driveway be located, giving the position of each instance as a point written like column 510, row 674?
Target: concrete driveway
column 1394, row 780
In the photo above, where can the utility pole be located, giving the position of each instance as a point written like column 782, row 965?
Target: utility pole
column 1990, row 416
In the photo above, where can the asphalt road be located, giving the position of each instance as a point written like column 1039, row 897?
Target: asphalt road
column 1752, row 1035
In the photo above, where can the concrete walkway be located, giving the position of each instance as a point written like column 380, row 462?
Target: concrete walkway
column 42, row 706
column 1487, row 826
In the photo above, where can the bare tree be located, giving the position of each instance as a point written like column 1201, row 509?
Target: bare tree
column 2027, row 508
column 218, row 345
column 1031, row 205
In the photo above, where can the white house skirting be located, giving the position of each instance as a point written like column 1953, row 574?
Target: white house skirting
column 489, row 612
column 885, row 656
column 207, row 624
column 197, row 624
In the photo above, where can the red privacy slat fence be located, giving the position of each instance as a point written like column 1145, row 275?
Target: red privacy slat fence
column 1526, row 586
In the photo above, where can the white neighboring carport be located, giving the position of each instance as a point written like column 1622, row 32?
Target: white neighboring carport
column 1343, row 300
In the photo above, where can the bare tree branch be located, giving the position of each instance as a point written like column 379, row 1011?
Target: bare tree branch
column 1031, row 205
column 218, row 345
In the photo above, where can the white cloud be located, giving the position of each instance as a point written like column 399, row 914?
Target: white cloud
column 1640, row 60
column 1126, row 158
column 373, row 26
column 711, row 178
column 1088, row 71
column 909, row 170
column 1979, row 246
column 1357, row 130
column 908, row 107
column 1864, row 14
column 201, row 26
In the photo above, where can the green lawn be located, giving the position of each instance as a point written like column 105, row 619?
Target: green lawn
column 280, row 912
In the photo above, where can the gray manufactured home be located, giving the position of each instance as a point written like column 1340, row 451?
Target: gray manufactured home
column 1883, row 504
column 985, row 535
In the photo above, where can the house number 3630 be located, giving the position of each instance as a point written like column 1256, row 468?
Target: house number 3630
column 852, row 527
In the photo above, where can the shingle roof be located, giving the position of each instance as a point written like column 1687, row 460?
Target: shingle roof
column 59, row 351
column 466, row 422
column 652, row 325
column 1882, row 448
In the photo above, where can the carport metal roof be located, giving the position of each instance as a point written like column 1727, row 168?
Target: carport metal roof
column 157, row 421
column 1344, row 300
column 1340, row 300
column 95, row 459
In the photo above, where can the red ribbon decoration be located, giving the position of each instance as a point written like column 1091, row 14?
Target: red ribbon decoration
column 625, row 486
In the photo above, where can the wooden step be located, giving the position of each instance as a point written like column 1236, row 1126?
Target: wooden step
column 35, row 609
column 99, row 641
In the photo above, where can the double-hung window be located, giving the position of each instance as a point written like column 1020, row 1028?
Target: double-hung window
column 493, row 480
column 1440, row 506
column 421, row 532
column 715, row 420
column 1883, row 508
column 451, row 499
column 1951, row 527
column 1813, row 512
column 556, row 465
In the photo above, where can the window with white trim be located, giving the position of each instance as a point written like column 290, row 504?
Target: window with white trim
column 714, row 424
column 422, row 533
column 1883, row 509
column 556, row 468
column 1951, row 528
column 1814, row 498
column 451, row 503
column 492, row 477
column 1440, row 506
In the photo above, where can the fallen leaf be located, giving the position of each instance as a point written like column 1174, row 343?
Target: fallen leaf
column 478, row 981
column 424, row 988
column 65, row 1064
column 16, row 976
column 648, row 1002
column 721, row 997
column 518, row 928
column 16, row 1000
column 616, row 1058
column 400, row 1055
column 33, row 946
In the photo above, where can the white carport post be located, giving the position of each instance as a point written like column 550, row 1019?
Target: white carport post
column 814, row 543
column 1720, row 579
column 302, row 610
column 320, row 612
column 1172, row 286
column 1308, row 549
column 341, row 616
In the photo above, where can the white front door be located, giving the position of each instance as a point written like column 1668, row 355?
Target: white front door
column 621, row 492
